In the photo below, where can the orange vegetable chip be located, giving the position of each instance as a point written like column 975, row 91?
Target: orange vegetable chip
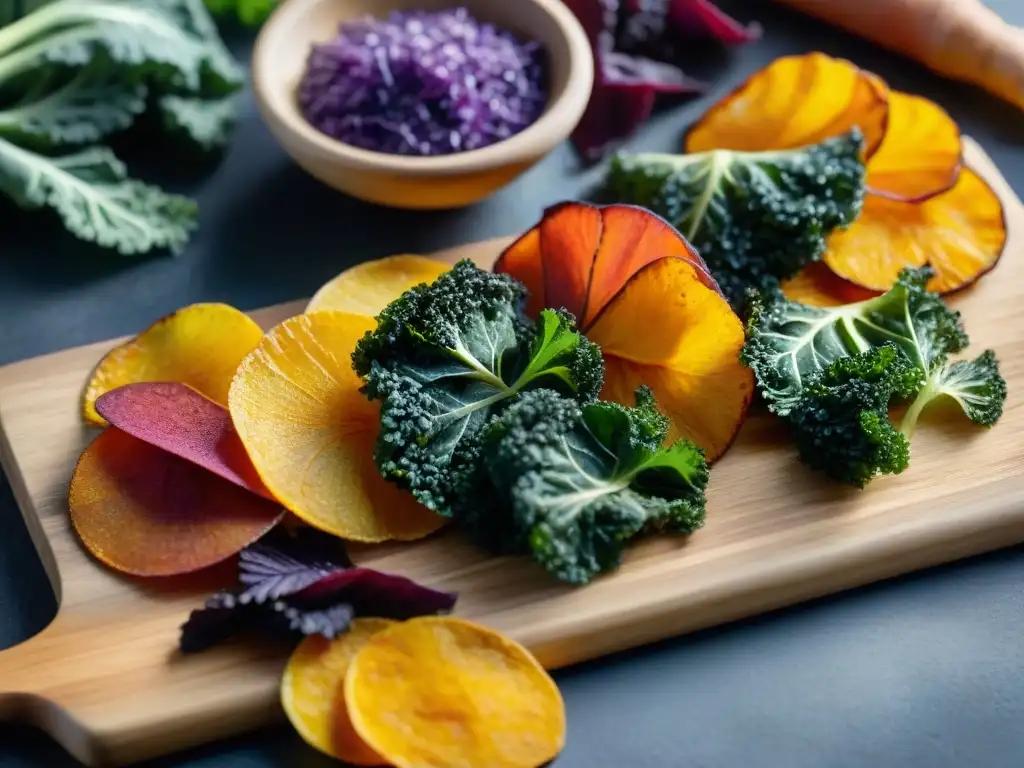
column 296, row 405
column 200, row 345
column 648, row 302
column 817, row 286
column 367, row 288
column 313, row 694
column 793, row 102
column 667, row 330
column 961, row 233
column 146, row 512
column 441, row 692
column 920, row 156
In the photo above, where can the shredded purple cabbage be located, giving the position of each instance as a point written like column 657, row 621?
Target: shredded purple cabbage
column 423, row 83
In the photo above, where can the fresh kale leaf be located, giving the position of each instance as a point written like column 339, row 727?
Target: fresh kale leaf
column 91, row 192
column 60, row 111
column 832, row 373
column 76, row 71
column 206, row 123
column 446, row 356
column 572, row 485
column 756, row 218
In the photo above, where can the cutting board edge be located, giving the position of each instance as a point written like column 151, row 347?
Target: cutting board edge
column 803, row 582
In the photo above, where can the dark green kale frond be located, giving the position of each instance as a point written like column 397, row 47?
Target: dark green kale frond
column 976, row 386
column 841, row 425
column 789, row 344
column 581, row 482
column 756, row 218
column 806, row 361
column 444, row 357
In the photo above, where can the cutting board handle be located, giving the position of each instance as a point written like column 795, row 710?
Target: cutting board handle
column 16, row 703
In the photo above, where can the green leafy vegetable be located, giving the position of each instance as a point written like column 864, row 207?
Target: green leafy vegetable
column 446, row 356
column 251, row 13
column 975, row 385
column 756, row 218
column 95, row 199
column 841, row 424
column 208, row 123
column 572, row 485
column 833, row 372
column 78, row 71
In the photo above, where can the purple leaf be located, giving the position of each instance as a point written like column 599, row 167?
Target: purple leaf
column 701, row 19
column 372, row 593
column 282, row 565
column 634, row 58
column 301, row 583
column 622, row 71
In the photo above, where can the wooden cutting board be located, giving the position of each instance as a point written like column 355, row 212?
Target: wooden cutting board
column 104, row 679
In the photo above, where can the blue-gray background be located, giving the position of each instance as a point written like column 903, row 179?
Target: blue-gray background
column 925, row 671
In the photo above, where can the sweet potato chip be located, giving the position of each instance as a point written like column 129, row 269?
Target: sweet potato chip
column 200, row 345
column 296, row 405
column 179, row 420
column 920, row 156
column 608, row 260
column 146, row 512
column 579, row 255
column 961, row 233
column 313, row 694
column 446, row 693
column 817, row 286
column 793, row 102
column 522, row 260
column 367, row 288
column 667, row 330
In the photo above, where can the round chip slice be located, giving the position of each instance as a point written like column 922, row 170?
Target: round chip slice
column 146, row 512
column 793, row 102
column 310, row 432
column 961, row 233
column 687, row 352
column 446, row 693
column 817, row 286
column 313, row 694
column 367, row 288
column 200, row 345
column 921, row 155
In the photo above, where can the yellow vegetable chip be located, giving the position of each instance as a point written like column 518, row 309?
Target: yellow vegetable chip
column 312, row 692
column 442, row 692
column 200, row 345
column 367, row 288
column 310, row 432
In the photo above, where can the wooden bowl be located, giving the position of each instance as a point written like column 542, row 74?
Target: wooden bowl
column 446, row 181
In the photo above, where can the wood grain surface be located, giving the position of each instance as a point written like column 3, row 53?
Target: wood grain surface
column 104, row 679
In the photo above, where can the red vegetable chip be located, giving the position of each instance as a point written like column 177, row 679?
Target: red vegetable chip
column 181, row 421
column 146, row 512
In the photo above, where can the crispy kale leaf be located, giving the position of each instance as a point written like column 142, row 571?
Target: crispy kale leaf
column 572, row 485
column 756, row 218
column 446, row 356
column 833, row 372
column 841, row 425
column 975, row 385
